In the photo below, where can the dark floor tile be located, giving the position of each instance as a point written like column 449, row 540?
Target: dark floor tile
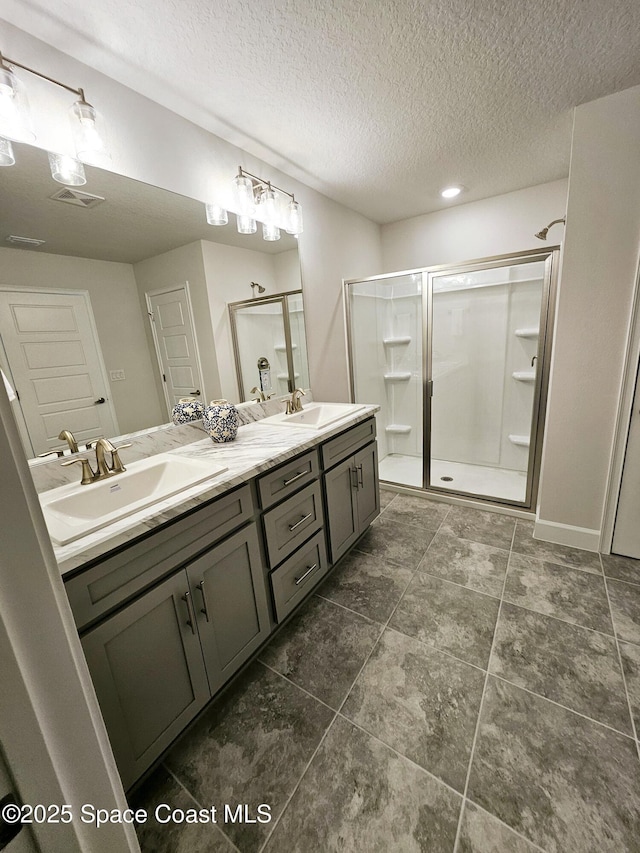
column 621, row 568
column 251, row 747
column 563, row 781
column 404, row 544
column 322, row 649
column 386, row 497
column 524, row 543
column 450, row 617
column 421, row 702
column 570, row 594
column 358, row 796
column 366, row 584
column 470, row 564
column 489, row 528
column 625, row 609
column 422, row 512
column 482, row 833
column 170, row 837
column 574, row 666
column 631, row 667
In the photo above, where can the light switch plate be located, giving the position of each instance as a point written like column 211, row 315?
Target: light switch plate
column 116, row 375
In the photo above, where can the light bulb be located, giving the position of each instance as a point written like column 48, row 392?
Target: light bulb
column 90, row 146
column 243, row 195
column 269, row 207
column 450, row 192
column 270, row 232
column 15, row 118
column 246, row 225
column 216, row 215
column 66, row 170
column 294, row 218
column 7, row 157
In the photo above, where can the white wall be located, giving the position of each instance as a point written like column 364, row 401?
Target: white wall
column 598, row 275
column 493, row 226
column 119, row 321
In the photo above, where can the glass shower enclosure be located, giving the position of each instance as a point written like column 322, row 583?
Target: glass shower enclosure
column 457, row 359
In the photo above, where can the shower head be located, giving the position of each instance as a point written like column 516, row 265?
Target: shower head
column 253, row 284
column 542, row 235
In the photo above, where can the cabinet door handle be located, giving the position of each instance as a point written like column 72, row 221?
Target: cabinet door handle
column 354, row 478
column 307, row 573
column 360, row 478
column 304, row 518
column 191, row 621
column 205, row 607
column 293, row 479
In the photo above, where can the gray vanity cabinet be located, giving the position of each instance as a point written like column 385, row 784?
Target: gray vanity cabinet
column 148, row 671
column 230, row 604
column 352, row 498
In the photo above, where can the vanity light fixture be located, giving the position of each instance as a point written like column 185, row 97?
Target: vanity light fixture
column 216, row 215
column 254, row 195
column 15, row 124
column 452, row 191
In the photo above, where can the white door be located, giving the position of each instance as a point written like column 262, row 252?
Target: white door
column 626, row 533
column 56, row 365
column 175, row 340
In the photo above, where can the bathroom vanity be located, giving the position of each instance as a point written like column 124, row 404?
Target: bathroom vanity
column 172, row 605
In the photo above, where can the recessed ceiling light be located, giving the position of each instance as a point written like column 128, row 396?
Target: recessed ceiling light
column 451, row 192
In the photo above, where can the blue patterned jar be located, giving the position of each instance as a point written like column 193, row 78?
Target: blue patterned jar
column 221, row 420
column 187, row 409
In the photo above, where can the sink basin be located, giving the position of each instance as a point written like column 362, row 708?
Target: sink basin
column 73, row 511
column 314, row 415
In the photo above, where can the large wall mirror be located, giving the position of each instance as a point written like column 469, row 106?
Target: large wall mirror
column 123, row 308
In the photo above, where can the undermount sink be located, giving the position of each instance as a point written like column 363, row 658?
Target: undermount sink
column 72, row 511
column 313, row 415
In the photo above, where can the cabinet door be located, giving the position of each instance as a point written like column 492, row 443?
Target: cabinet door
column 147, row 669
column 342, row 509
column 229, row 590
column 366, row 465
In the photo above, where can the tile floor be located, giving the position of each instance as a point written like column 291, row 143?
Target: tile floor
column 454, row 685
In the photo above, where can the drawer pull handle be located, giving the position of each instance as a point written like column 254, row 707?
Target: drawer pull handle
column 205, row 607
column 307, row 573
column 191, row 621
column 304, row 518
column 293, row 479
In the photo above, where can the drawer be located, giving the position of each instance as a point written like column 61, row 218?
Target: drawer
column 96, row 591
column 291, row 523
column 346, row 444
column 288, row 478
column 298, row 575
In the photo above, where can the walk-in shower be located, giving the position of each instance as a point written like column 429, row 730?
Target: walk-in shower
column 457, row 359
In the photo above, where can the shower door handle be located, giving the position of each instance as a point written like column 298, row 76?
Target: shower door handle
column 430, row 388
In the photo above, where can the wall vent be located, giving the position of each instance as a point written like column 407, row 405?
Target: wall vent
column 80, row 199
column 27, row 242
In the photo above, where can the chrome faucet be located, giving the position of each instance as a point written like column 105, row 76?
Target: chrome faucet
column 294, row 404
column 103, row 469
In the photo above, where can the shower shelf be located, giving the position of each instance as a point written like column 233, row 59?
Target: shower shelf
column 396, row 342
column 283, row 348
column 527, row 333
column 398, row 429
column 398, row 377
column 519, row 440
column 524, row 375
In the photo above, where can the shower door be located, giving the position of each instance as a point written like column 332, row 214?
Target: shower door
column 486, row 376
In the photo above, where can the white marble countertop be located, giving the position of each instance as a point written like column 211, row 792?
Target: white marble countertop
column 257, row 448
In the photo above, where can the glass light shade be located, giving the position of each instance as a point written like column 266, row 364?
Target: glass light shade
column 294, row 218
column 7, row 157
column 90, row 146
column 246, row 225
column 269, row 208
column 216, row 215
column 243, row 195
column 270, row 232
column 15, row 116
column 66, row 170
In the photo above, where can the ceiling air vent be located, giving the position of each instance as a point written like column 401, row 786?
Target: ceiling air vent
column 77, row 197
column 27, row 242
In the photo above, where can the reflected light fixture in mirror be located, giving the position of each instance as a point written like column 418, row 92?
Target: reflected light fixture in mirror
column 216, row 215
column 67, row 170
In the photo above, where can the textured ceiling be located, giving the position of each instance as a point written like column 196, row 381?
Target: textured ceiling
column 377, row 103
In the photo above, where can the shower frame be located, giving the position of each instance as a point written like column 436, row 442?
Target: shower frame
column 550, row 256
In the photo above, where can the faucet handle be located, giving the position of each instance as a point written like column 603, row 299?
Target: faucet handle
column 57, row 453
column 88, row 475
column 116, row 463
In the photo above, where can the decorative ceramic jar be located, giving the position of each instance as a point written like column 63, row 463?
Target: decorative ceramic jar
column 221, row 420
column 187, row 409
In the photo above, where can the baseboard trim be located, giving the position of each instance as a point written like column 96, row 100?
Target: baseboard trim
column 567, row 534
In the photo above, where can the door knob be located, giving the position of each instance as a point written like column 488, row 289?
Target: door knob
column 100, row 401
column 195, row 393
